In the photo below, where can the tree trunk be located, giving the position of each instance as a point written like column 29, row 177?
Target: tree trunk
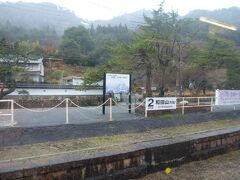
column 6, row 92
column 162, row 84
column 148, row 81
column 178, row 75
column 178, row 79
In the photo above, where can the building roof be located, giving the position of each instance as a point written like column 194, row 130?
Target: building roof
column 50, row 86
column 37, row 61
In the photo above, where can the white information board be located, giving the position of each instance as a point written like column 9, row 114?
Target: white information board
column 160, row 103
column 117, row 83
column 227, row 97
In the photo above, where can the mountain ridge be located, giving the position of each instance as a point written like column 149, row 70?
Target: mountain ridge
column 132, row 20
column 50, row 15
column 42, row 15
column 229, row 15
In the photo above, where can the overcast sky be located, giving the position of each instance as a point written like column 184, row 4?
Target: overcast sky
column 107, row 9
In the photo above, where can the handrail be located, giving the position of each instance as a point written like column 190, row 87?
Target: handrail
column 200, row 97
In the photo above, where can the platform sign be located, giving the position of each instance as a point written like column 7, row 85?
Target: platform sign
column 117, row 83
column 160, row 103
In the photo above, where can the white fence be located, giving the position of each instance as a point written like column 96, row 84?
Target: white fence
column 182, row 103
column 68, row 103
column 194, row 102
column 6, row 113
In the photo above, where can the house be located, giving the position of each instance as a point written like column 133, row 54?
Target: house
column 35, row 70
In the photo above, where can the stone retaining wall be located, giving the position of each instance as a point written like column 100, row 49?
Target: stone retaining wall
column 144, row 158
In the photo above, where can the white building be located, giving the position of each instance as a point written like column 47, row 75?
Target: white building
column 35, row 70
column 54, row 90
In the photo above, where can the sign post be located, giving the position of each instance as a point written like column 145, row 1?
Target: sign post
column 130, row 95
column 104, row 93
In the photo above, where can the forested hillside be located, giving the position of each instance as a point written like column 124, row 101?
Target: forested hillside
column 46, row 36
column 131, row 20
column 38, row 16
column 229, row 15
column 163, row 50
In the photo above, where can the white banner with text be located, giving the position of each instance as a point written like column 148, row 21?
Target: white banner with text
column 227, row 97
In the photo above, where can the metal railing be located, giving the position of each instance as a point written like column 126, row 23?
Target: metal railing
column 194, row 102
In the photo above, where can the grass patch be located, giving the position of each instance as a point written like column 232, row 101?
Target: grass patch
column 105, row 139
column 167, row 115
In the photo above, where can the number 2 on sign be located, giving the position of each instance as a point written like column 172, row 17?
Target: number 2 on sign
column 150, row 102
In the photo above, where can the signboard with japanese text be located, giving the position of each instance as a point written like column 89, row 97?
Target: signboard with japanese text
column 160, row 103
column 117, row 83
column 227, row 97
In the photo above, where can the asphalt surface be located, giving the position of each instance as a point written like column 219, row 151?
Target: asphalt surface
column 57, row 116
